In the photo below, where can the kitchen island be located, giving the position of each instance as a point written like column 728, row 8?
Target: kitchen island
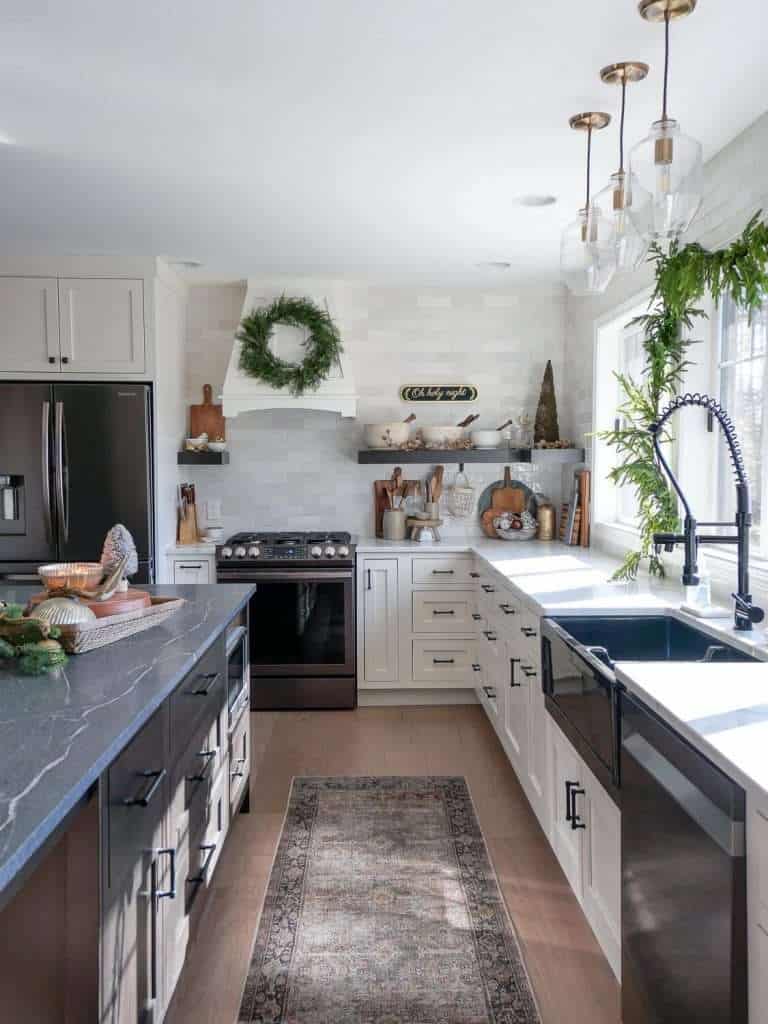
column 109, row 773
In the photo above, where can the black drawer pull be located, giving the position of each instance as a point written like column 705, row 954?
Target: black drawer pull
column 476, row 667
column 507, row 609
column 443, row 572
column 238, row 773
column 209, row 849
column 170, row 892
column 489, row 635
column 488, row 588
column 436, row 611
column 477, row 617
column 209, row 758
column 474, row 575
column 489, row 692
column 51, row 359
column 527, row 631
column 210, row 681
column 198, row 566
column 576, row 822
column 568, row 787
column 512, row 681
column 528, row 672
column 443, row 661
column 143, row 798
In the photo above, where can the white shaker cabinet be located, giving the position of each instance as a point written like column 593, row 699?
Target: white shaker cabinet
column 516, row 709
column 567, row 790
column 102, row 325
column 601, row 867
column 380, row 620
column 29, row 325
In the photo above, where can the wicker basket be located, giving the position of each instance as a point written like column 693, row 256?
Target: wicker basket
column 87, row 636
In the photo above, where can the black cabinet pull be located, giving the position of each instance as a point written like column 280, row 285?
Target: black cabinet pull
column 443, row 661
column 476, row 667
column 527, row 631
column 208, row 759
column 488, row 588
column 512, row 681
column 170, row 892
column 490, row 693
column 568, row 787
column 576, row 821
column 210, row 681
column 209, row 849
column 435, row 611
column 474, row 575
column 51, row 359
column 369, row 585
column 528, row 672
column 489, row 635
column 443, row 572
column 477, row 616
column 65, row 359
column 198, row 566
column 144, row 796
column 507, row 609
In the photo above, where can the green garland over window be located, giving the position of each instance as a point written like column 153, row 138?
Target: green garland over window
column 684, row 275
column 323, row 345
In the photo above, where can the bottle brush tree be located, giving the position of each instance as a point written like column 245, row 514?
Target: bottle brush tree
column 545, row 427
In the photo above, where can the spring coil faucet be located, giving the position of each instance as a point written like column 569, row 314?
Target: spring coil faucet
column 745, row 612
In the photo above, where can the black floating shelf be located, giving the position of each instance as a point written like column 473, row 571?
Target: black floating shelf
column 499, row 456
column 202, row 458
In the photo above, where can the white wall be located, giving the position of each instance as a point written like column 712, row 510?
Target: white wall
column 298, row 469
column 736, row 185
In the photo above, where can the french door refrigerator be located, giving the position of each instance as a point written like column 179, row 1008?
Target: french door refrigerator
column 75, row 459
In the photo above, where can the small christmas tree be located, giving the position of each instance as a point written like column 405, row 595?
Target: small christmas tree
column 117, row 544
column 546, row 427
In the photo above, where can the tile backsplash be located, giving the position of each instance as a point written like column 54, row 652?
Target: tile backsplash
column 297, row 468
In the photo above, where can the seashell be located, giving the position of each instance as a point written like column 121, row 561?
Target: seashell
column 63, row 611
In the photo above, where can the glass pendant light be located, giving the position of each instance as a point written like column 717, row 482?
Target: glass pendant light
column 587, row 249
column 623, row 191
column 666, row 164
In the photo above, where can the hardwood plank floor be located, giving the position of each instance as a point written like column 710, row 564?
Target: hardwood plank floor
column 572, row 979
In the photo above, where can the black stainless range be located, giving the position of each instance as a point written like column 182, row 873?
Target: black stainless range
column 302, row 616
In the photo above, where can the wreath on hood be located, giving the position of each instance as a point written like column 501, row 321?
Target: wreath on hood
column 322, row 345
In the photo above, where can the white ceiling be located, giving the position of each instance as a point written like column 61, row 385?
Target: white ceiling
column 341, row 136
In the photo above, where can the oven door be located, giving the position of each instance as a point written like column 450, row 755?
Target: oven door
column 302, row 623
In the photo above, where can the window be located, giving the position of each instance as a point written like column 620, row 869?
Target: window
column 742, row 364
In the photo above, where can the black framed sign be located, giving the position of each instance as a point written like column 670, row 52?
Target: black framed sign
column 438, row 393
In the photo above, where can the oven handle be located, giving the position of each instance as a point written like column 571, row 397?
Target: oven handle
column 255, row 576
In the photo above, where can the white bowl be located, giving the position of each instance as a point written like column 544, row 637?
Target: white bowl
column 217, row 446
column 486, row 438
column 386, row 435
column 436, row 436
column 215, row 533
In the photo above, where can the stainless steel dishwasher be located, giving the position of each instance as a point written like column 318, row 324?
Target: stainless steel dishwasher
column 684, row 934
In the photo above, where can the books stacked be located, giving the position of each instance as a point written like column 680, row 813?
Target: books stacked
column 575, row 514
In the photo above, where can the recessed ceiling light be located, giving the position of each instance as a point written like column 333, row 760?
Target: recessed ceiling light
column 536, row 200
column 494, row 265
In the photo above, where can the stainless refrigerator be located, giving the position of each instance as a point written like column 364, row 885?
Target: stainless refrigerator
column 75, row 459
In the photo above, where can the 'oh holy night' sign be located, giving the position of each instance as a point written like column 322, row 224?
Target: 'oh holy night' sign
column 438, row 393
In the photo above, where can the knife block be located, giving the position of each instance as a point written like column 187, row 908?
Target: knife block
column 187, row 531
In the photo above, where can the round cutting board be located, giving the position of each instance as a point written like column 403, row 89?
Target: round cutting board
column 119, row 604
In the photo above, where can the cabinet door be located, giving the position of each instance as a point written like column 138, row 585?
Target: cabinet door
column 516, row 703
column 380, row 620
column 102, row 325
column 191, row 570
column 494, row 677
column 566, row 831
column 29, row 325
column 601, row 868
column 538, row 753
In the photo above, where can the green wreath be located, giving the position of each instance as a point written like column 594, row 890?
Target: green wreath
column 323, row 344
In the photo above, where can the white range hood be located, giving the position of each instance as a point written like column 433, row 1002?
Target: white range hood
column 242, row 393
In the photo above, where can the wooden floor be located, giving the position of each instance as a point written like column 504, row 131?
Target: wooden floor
column 573, row 981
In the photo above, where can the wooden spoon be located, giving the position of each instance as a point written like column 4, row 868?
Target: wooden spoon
column 468, row 419
column 410, row 419
column 437, row 483
column 507, row 423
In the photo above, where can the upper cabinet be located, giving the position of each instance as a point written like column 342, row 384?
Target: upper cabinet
column 72, row 326
column 101, row 325
column 29, row 325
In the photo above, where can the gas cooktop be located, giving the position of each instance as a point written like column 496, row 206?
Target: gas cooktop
column 294, row 546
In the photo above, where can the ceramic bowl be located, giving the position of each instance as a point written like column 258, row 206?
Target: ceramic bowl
column 214, row 533
column 83, row 575
column 486, row 438
column 434, row 437
column 217, row 446
column 63, row 611
column 386, row 435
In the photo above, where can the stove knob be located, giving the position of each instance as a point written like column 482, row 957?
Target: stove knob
column 226, row 552
column 343, row 551
column 330, row 551
column 254, row 551
column 239, row 551
column 316, row 551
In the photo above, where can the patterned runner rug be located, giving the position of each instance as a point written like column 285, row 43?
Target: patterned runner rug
column 383, row 908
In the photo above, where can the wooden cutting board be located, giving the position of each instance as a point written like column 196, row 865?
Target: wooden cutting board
column 207, row 418
column 118, row 604
column 508, row 498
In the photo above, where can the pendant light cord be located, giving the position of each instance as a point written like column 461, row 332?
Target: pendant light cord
column 589, row 163
column 666, row 65
column 621, row 123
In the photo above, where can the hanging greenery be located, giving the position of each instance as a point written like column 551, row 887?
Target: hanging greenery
column 684, row 275
column 323, row 345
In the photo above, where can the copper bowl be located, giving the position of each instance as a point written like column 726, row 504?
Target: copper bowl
column 83, row 575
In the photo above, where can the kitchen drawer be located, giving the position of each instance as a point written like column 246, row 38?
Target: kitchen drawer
column 450, row 569
column 194, row 776
column 200, row 696
column 442, row 611
column 239, row 761
column 528, row 626
column 501, row 609
column 137, row 794
column 446, row 662
column 192, row 570
column 205, row 849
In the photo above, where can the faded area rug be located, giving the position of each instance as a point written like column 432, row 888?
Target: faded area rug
column 383, row 908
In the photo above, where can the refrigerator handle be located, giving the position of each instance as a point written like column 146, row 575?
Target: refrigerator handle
column 62, row 505
column 46, row 469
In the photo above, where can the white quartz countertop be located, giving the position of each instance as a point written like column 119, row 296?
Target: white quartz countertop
column 721, row 709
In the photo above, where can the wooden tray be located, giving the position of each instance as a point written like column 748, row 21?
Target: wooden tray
column 88, row 636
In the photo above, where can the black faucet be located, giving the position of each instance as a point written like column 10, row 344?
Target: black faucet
column 745, row 613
